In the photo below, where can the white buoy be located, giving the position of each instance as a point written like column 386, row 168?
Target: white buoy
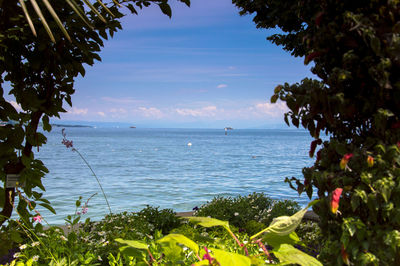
column 189, row 144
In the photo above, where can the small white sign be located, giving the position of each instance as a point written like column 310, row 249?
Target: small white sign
column 11, row 181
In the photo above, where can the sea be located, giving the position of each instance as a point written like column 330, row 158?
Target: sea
column 168, row 168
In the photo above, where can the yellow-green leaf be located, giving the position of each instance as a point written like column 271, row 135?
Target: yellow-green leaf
column 230, row 259
column 181, row 239
column 133, row 243
column 208, row 222
column 289, row 254
column 284, row 225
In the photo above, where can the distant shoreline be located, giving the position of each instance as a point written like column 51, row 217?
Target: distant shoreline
column 62, row 125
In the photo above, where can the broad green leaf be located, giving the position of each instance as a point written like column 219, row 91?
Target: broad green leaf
column 229, row 258
column 132, row 243
column 274, row 98
column 289, row 254
column 202, row 262
column 285, row 225
column 276, row 240
column 256, row 261
column 181, row 239
column 48, row 206
column 187, row 2
column 208, row 222
column 133, row 252
column 172, row 250
column 166, row 9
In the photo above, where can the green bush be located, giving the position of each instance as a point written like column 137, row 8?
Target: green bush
column 240, row 211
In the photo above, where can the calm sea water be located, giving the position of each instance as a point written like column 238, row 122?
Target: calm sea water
column 139, row 167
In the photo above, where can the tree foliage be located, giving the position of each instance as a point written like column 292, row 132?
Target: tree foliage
column 41, row 71
column 354, row 47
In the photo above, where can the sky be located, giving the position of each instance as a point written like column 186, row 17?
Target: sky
column 207, row 66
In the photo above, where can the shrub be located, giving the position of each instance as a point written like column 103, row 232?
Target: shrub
column 241, row 210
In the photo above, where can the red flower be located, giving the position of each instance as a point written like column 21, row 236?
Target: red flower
column 345, row 160
column 345, row 256
column 335, row 200
column 370, row 161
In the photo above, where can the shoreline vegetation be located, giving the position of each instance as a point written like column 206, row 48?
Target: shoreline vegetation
column 155, row 235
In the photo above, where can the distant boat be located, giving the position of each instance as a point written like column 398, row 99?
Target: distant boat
column 226, row 130
column 189, row 144
column 132, row 127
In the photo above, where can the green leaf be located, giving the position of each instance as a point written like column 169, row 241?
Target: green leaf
column 274, row 98
column 181, row 239
column 229, row 258
column 48, row 206
column 133, row 243
column 284, row 225
column 276, row 240
column 166, row 9
column 16, row 237
column 202, row 262
column 139, row 254
column 187, row 2
column 289, row 254
column 208, row 222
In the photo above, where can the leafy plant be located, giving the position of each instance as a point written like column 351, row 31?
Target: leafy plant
column 280, row 234
column 354, row 47
column 246, row 212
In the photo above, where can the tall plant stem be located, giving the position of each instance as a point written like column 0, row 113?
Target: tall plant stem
column 97, row 179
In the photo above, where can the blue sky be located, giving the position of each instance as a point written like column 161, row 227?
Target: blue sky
column 205, row 67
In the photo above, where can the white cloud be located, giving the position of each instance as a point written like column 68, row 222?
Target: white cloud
column 101, row 114
column 126, row 100
column 220, row 86
column 151, row 112
column 118, row 110
column 78, row 111
column 16, row 105
column 271, row 109
column 199, row 112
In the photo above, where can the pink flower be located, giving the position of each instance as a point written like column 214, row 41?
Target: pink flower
column 84, row 210
column 37, row 218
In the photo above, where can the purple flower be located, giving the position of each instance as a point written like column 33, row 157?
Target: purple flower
column 65, row 141
column 196, row 208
